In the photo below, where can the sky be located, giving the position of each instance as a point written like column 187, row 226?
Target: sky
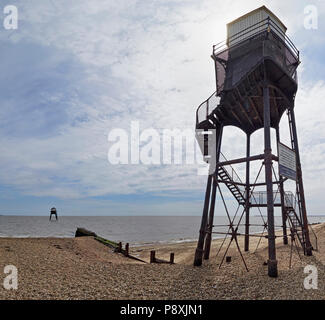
column 75, row 70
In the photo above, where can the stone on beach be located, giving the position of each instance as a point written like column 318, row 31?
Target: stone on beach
column 83, row 268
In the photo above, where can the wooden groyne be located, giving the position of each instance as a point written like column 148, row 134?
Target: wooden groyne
column 116, row 246
column 153, row 258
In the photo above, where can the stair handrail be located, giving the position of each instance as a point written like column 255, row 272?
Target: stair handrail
column 294, row 206
column 287, row 199
column 233, row 174
column 254, row 30
column 308, row 224
column 209, row 108
column 314, row 233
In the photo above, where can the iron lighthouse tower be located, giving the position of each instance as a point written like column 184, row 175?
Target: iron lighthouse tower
column 256, row 84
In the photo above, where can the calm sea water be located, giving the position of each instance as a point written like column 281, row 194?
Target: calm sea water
column 136, row 230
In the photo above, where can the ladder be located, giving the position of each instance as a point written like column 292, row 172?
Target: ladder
column 224, row 175
column 296, row 226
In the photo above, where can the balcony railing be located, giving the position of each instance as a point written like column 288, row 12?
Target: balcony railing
column 233, row 174
column 260, row 198
column 206, row 107
column 251, row 32
column 259, row 29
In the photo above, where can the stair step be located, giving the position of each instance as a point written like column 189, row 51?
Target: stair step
column 224, row 175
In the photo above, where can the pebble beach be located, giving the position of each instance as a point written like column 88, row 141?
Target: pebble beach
column 83, row 268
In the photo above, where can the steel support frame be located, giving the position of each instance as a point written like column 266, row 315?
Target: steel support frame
column 272, row 262
column 200, row 244
column 282, row 195
column 213, row 200
column 247, row 189
column 207, row 216
column 205, row 234
column 300, row 182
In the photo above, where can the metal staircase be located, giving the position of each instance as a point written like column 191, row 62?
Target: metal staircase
column 306, row 231
column 296, row 226
column 229, row 179
column 292, row 204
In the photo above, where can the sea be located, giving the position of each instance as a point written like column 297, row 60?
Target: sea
column 137, row 230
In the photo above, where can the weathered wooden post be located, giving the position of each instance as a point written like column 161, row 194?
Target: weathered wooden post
column 152, row 256
column 119, row 248
column 171, row 258
column 127, row 250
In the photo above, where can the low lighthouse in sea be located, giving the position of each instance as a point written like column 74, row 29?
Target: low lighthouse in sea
column 54, row 213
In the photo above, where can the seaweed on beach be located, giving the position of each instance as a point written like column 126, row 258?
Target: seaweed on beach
column 106, row 242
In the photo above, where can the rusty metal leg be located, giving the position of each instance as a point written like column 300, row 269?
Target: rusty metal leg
column 291, row 247
column 284, row 213
column 213, row 200
column 272, row 262
column 247, row 204
column 300, row 183
column 282, row 196
column 210, row 223
column 200, row 244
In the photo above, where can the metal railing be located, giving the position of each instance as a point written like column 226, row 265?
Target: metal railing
column 314, row 243
column 290, row 200
column 233, row 175
column 260, row 198
column 259, row 29
column 205, row 108
column 221, row 55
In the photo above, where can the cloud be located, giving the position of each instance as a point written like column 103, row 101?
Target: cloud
column 74, row 71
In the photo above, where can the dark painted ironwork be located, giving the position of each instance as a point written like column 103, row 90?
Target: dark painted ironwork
column 247, row 204
column 213, row 199
column 272, row 263
column 210, row 222
column 54, row 213
column 281, row 188
column 256, row 83
column 300, row 186
column 200, row 244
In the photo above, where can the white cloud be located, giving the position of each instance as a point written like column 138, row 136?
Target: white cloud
column 147, row 61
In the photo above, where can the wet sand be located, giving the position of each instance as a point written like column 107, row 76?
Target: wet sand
column 83, row 268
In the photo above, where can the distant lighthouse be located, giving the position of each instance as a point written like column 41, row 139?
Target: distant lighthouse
column 53, row 212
